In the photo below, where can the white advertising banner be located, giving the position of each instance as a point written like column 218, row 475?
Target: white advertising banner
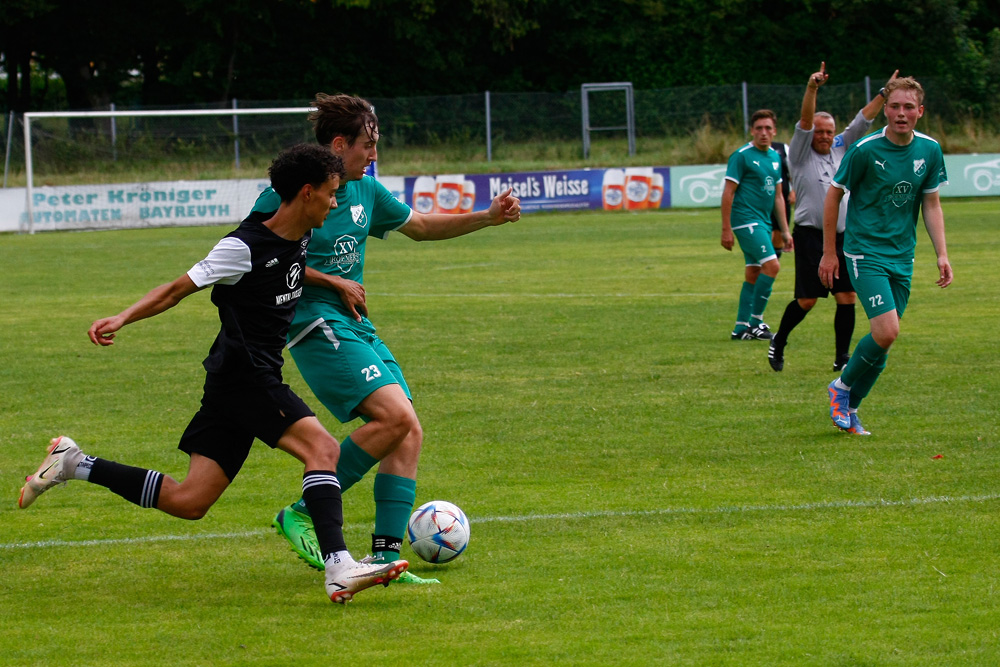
column 158, row 204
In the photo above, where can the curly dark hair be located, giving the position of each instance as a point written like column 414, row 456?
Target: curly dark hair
column 301, row 164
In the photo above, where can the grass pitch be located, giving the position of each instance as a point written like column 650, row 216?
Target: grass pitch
column 642, row 490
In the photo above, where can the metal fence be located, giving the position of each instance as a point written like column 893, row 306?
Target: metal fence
column 489, row 119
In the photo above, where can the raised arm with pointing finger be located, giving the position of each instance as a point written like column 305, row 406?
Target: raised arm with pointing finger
column 814, row 155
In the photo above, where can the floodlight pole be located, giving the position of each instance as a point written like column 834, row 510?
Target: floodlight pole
column 489, row 131
column 746, row 109
column 236, row 135
column 10, row 140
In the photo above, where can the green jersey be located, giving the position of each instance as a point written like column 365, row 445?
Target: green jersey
column 364, row 208
column 757, row 173
column 887, row 183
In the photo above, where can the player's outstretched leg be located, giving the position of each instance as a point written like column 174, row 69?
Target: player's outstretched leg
column 343, row 582
column 58, row 467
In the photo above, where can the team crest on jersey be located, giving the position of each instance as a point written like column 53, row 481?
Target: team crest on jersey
column 919, row 167
column 775, row 165
column 359, row 216
column 345, row 254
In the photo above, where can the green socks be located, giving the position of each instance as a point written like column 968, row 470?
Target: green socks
column 394, row 498
column 743, row 312
column 864, row 368
column 761, row 293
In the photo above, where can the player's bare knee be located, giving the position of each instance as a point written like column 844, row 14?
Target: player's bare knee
column 323, row 452
column 885, row 339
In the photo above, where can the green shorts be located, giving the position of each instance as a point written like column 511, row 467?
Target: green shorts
column 343, row 364
column 882, row 286
column 755, row 242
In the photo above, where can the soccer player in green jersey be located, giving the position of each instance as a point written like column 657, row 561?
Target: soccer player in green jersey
column 334, row 344
column 752, row 192
column 891, row 175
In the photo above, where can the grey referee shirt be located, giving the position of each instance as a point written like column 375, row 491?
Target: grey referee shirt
column 812, row 172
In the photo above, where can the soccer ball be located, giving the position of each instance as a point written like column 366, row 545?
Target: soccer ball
column 438, row 531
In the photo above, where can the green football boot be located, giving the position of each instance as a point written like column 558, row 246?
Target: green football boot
column 404, row 578
column 410, row 578
column 297, row 528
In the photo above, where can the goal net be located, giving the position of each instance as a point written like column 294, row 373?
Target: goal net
column 119, row 169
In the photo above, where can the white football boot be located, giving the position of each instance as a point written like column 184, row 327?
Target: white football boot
column 343, row 582
column 57, row 468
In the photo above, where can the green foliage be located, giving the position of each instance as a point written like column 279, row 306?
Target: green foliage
column 195, row 51
column 641, row 489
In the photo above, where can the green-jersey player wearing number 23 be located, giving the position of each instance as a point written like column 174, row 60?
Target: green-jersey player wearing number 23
column 892, row 175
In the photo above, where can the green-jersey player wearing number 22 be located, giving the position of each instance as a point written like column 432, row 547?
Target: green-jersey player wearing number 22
column 891, row 175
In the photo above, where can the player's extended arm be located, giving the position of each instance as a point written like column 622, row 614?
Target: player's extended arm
column 351, row 293
column 934, row 222
column 440, row 226
column 727, row 209
column 157, row 300
column 870, row 110
column 829, row 265
column 816, row 79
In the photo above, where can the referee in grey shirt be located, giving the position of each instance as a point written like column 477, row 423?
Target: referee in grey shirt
column 814, row 156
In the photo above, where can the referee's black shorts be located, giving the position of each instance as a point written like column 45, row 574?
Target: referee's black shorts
column 232, row 414
column 808, row 253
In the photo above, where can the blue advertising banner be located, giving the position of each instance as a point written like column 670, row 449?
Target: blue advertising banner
column 628, row 189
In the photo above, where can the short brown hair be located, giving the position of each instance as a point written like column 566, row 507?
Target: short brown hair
column 905, row 83
column 342, row 116
column 763, row 113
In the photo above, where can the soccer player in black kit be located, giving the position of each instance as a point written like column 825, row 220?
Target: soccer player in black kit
column 256, row 272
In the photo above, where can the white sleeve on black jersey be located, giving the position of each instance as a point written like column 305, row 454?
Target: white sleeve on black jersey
column 225, row 264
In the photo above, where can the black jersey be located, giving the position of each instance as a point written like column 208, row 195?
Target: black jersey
column 257, row 278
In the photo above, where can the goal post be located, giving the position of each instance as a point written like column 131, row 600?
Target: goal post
column 279, row 138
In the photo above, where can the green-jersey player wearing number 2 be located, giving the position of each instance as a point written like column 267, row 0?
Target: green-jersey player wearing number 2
column 891, row 175
column 752, row 192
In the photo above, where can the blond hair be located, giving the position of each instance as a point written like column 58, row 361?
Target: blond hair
column 905, row 83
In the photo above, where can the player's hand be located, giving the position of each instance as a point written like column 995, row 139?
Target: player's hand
column 817, row 79
column 352, row 294
column 893, row 77
column 829, row 270
column 728, row 239
column 505, row 207
column 789, row 244
column 945, row 273
column 102, row 331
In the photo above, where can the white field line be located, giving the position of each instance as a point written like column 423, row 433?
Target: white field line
column 527, row 518
column 557, row 295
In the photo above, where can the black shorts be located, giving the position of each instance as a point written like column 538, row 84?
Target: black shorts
column 808, row 253
column 232, row 414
